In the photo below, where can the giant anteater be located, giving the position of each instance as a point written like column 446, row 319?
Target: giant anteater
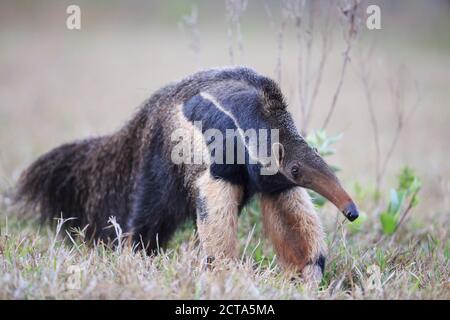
column 131, row 175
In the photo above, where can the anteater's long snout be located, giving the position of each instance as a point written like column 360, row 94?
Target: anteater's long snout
column 329, row 187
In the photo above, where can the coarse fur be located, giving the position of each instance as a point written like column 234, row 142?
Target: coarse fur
column 129, row 174
column 296, row 232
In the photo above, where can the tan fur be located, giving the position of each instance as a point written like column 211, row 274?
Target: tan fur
column 218, row 231
column 192, row 171
column 295, row 230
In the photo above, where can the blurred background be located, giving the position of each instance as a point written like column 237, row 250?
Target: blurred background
column 58, row 85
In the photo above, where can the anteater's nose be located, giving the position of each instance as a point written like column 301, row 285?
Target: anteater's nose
column 351, row 212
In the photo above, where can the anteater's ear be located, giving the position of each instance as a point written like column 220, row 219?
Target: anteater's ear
column 278, row 153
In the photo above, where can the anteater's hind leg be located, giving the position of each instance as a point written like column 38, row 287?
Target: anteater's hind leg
column 296, row 232
column 217, row 213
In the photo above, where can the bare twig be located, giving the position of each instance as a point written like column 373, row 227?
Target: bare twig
column 189, row 23
column 350, row 11
column 325, row 49
column 280, row 48
column 235, row 9
column 303, row 16
column 397, row 86
column 407, row 210
column 364, row 73
column 398, row 93
column 339, row 86
column 279, row 39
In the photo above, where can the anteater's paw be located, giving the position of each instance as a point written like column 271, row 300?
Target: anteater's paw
column 312, row 276
column 312, row 273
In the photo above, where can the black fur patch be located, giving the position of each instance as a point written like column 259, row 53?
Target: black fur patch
column 321, row 263
column 245, row 105
column 162, row 202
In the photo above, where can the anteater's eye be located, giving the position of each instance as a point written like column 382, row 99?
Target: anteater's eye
column 315, row 150
column 294, row 171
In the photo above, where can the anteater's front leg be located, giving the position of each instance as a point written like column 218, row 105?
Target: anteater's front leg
column 296, row 232
column 217, row 213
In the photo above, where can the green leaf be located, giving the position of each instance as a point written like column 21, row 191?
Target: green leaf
column 414, row 201
column 321, row 134
column 394, row 204
column 416, row 185
column 388, row 222
column 312, row 140
column 381, row 259
column 325, row 153
column 335, row 168
column 408, row 181
column 319, row 140
column 335, row 139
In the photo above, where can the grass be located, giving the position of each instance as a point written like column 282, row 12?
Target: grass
column 36, row 262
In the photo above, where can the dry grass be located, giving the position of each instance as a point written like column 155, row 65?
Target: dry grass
column 37, row 264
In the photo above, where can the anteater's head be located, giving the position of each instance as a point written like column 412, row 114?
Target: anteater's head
column 301, row 164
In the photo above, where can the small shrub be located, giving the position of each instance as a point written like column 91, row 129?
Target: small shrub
column 401, row 200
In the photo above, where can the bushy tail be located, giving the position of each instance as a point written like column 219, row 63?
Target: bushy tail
column 49, row 185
